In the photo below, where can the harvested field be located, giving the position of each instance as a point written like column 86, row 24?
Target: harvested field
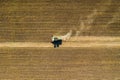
column 60, row 64
column 92, row 52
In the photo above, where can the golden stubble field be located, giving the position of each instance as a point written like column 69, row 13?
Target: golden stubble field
column 64, row 63
column 26, row 27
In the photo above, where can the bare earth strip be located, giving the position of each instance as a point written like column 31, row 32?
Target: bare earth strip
column 73, row 42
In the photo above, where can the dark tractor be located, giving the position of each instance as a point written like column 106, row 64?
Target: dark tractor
column 56, row 42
